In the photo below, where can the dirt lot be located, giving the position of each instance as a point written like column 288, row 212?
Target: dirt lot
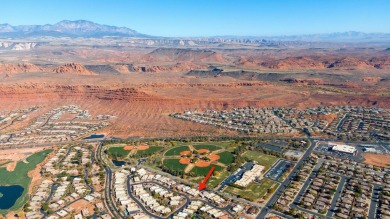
column 204, row 151
column 128, row 148
column 185, row 160
column 142, row 147
column 81, row 204
column 16, row 155
column 382, row 160
column 202, row 163
column 185, row 153
column 135, row 148
column 213, row 157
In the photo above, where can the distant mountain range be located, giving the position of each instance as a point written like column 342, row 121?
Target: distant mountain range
column 349, row 36
column 83, row 28
column 78, row 28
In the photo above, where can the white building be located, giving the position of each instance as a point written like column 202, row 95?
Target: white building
column 343, row 148
column 250, row 175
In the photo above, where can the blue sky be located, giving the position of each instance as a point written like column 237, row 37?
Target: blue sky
column 209, row 17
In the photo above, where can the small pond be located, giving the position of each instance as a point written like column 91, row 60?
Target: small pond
column 119, row 163
column 94, row 136
column 9, row 195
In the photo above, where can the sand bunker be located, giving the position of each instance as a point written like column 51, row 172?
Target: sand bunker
column 11, row 166
column 185, row 160
column 202, row 163
column 185, row 153
column 201, row 151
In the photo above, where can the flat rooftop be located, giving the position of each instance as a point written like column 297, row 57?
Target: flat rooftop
column 344, row 148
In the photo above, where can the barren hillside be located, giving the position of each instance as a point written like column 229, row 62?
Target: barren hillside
column 143, row 81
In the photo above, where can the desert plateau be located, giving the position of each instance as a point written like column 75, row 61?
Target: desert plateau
column 205, row 110
column 142, row 81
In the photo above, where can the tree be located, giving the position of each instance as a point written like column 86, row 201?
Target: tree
column 45, row 206
column 26, row 207
column 271, row 190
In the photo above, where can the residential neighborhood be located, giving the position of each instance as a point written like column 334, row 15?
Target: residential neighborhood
column 51, row 127
column 252, row 177
column 344, row 122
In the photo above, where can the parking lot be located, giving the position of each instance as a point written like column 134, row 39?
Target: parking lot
column 379, row 148
column 270, row 147
column 237, row 175
column 277, row 171
column 294, row 153
column 325, row 149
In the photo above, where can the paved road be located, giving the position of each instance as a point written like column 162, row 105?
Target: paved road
column 304, row 188
column 282, row 215
column 336, row 196
column 138, row 138
column 341, row 122
column 308, row 181
column 12, row 134
column 108, row 200
column 112, row 208
column 195, row 185
column 188, row 199
column 52, row 188
column 177, row 179
column 85, row 180
column 11, row 123
column 86, row 174
column 280, row 190
column 9, row 137
column 306, row 185
column 374, row 201
column 276, row 171
column 235, row 176
column 309, row 212
column 145, row 209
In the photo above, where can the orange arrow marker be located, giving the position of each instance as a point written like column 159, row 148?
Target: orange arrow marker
column 202, row 184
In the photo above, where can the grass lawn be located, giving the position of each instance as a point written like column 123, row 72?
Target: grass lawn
column 215, row 180
column 202, row 171
column 174, row 164
column 262, row 159
column 148, row 151
column 253, row 191
column 226, row 157
column 119, row 152
column 223, row 144
column 19, row 176
column 176, row 151
column 210, row 147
